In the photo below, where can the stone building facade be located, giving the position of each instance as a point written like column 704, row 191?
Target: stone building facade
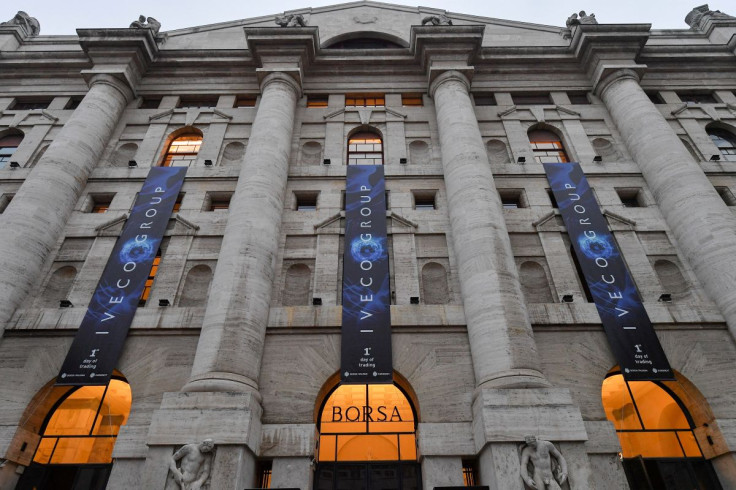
column 494, row 336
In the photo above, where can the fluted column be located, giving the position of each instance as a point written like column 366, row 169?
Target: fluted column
column 705, row 229
column 37, row 215
column 501, row 339
column 231, row 343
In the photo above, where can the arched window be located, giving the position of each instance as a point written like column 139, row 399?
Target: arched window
column 77, row 435
column 534, row 283
column 182, row 150
column 365, row 148
column 656, row 432
column 547, row 147
column 59, row 285
column 196, row 286
column 297, row 284
column 725, row 141
column 367, row 433
column 8, row 145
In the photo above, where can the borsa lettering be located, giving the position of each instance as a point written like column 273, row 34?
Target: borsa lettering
column 366, row 413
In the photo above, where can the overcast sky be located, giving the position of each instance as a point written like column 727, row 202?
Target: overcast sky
column 63, row 17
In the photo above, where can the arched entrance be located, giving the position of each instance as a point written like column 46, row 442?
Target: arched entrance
column 78, row 429
column 660, row 448
column 367, row 439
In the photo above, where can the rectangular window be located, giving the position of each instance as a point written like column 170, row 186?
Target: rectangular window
column 30, row 104
column 306, row 200
column 425, row 200
column 654, row 96
column 245, row 101
column 317, row 100
column 531, row 99
column 469, row 479
column 552, row 198
column 578, row 98
column 726, row 195
column 5, row 200
column 197, row 102
column 217, row 201
column 412, row 100
column 99, row 203
column 151, row 277
column 692, row 98
column 365, row 100
column 512, row 198
column 150, row 103
column 73, row 103
column 630, row 197
column 177, row 204
column 484, row 99
column 264, row 474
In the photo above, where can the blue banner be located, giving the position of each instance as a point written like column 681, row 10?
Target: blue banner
column 626, row 323
column 100, row 338
column 366, row 296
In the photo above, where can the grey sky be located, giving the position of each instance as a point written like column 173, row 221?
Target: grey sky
column 57, row 17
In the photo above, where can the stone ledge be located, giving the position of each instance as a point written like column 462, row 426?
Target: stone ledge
column 508, row 415
column 287, row 440
column 450, row 439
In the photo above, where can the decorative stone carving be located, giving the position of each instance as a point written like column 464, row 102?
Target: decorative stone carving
column 146, row 23
column 437, row 20
column 698, row 16
column 580, row 18
column 194, row 464
column 548, row 473
column 291, row 20
column 30, row 25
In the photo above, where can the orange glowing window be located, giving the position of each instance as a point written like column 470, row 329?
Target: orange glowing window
column 84, row 426
column 649, row 419
column 317, row 100
column 182, row 152
column 364, row 100
column 151, row 277
column 365, row 149
column 367, row 423
column 412, row 100
column 547, row 147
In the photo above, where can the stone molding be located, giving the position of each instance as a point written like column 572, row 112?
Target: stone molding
column 449, row 76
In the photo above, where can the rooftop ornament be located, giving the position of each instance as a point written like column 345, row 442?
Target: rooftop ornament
column 291, row 20
column 437, row 20
column 580, row 18
column 146, row 23
column 698, row 16
column 29, row 25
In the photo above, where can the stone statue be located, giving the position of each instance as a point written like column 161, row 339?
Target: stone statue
column 29, row 25
column 580, row 18
column 437, row 20
column 540, row 453
column 146, row 23
column 291, row 20
column 698, row 16
column 195, row 462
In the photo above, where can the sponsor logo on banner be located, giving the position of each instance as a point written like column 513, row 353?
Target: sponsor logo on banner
column 100, row 338
column 366, row 314
column 629, row 330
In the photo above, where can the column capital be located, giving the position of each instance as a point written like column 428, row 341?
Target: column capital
column 438, row 77
column 291, row 77
column 124, row 54
column 611, row 74
column 603, row 49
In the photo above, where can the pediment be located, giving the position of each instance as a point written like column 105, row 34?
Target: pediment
column 367, row 19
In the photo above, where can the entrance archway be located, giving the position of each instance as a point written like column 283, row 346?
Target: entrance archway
column 661, row 445
column 77, row 434
column 367, row 438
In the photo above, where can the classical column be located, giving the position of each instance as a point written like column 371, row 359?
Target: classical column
column 36, row 217
column 501, row 339
column 233, row 332
column 704, row 228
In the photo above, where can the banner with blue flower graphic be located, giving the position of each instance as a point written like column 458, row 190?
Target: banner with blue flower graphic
column 100, row 338
column 626, row 323
column 366, row 297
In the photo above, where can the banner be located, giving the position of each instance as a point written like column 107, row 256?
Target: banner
column 100, row 338
column 366, row 298
column 626, row 323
